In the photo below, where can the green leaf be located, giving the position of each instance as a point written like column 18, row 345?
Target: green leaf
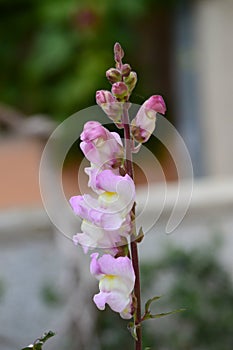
column 38, row 343
column 162, row 314
column 46, row 336
column 148, row 315
column 149, row 302
column 38, row 346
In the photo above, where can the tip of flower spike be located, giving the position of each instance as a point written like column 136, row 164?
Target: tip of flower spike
column 157, row 104
column 118, row 53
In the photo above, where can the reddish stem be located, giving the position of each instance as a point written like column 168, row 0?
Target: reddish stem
column 133, row 244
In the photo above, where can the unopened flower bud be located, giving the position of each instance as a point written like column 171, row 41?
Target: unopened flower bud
column 131, row 80
column 110, row 106
column 113, row 75
column 118, row 53
column 120, row 90
column 125, row 69
column 144, row 123
column 156, row 103
column 104, row 96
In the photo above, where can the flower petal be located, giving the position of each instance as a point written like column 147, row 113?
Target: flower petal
column 116, row 301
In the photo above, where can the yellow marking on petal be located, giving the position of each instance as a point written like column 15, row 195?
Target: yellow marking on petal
column 98, row 141
column 108, row 282
column 110, row 277
column 108, row 197
column 151, row 114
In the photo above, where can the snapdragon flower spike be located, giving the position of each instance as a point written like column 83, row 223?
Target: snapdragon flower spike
column 100, row 146
column 116, row 282
column 110, row 106
column 143, row 125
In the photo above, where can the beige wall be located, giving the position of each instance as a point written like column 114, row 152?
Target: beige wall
column 214, row 40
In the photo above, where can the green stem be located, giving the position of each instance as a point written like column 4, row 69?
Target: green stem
column 133, row 244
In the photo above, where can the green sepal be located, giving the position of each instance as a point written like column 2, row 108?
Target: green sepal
column 133, row 330
column 140, row 235
column 38, row 343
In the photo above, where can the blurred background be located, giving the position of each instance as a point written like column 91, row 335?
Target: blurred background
column 53, row 58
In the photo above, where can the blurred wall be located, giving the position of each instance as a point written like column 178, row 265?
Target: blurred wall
column 214, row 31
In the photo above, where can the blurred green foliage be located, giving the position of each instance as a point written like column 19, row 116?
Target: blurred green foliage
column 50, row 295
column 54, row 53
column 194, row 280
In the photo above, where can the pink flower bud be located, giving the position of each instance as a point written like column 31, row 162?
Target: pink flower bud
column 156, row 103
column 143, row 124
column 131, row 81
column 125, row 69
column 120, row 90
column 118, row 53
column 110, row 106
column 116, row 283
column 113, row 75
column 104, row 96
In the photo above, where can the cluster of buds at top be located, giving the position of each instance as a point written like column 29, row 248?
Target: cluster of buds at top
column 122, row 78
column 123, row 81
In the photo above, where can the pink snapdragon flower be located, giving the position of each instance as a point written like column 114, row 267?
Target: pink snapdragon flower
column 116, row 282
column 113, row 204
column 110, row 106
column 118, row 192
column 92, row 173
column 94, row 236
column 88, row 208
column 143, row 124
column 100, row 146
column 106, row 219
